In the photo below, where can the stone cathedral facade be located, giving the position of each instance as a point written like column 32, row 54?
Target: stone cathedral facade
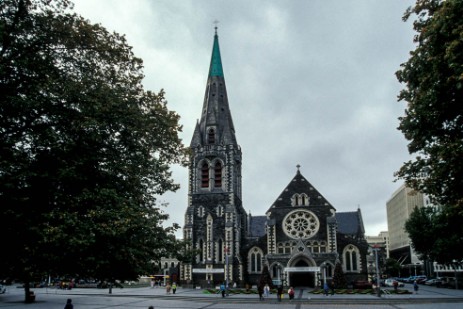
column 301, row 236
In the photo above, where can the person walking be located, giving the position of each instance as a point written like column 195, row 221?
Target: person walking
column 266, row 291
column 332, row 287
column 174, row 287
column 260, row 290
column 280, row 292
column 395, row 283
column 69, row 304
column 291, row 293
column 222, row 290
column 326, row 288
column 415, row 287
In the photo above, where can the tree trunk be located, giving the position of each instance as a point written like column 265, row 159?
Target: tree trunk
column 29, row 296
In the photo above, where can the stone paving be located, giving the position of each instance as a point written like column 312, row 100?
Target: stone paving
column 143, row 297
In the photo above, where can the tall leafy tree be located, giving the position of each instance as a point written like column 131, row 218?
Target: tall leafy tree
column 436, row 234
column 339, row 279
column 421, row 229
column 392, row 268
column 84, row 149
column 265, row 278
column 433, row 121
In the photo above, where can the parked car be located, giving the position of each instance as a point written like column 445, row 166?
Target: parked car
column 434, row 281
column 390, row 282
column 412, row 279
column 452, row 283
column 2, row 289
column 421, row 280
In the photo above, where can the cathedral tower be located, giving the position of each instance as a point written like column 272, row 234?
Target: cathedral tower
column 215, row 221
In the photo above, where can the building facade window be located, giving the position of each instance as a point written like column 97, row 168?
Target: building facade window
column 201, row 211
column 219, row 211
column 201, row 250
column 255, row 260
column 300, row 200
column 211, row 136
column 205, row 175
column 351, row 258
column 301, row 224
column 218, row 175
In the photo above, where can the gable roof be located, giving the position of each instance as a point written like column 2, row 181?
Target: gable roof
column 257, row 226
column 350, row 223
column 299, row 185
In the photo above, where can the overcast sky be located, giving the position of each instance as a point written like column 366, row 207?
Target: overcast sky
column 309, row 82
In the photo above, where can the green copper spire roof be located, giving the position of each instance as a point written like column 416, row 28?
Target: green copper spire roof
column 215, row 68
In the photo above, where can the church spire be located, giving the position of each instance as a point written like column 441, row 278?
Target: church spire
column 216, row 124
column 215, row 69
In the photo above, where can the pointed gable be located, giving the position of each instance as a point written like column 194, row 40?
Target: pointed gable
column 300, row 192
column 196, row 140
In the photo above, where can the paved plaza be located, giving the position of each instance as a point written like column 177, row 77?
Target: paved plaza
column 143, row 297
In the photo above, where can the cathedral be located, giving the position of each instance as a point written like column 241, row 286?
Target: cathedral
column 300, row 238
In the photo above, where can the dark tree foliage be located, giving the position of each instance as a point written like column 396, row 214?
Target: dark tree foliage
column 265, row 278
column 339, row 279
column 421, row 229
column 83, row 149
column 392, row 268
column 436, row 234
column 433, row 121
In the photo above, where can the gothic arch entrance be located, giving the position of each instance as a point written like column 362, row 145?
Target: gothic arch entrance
column 304, row 277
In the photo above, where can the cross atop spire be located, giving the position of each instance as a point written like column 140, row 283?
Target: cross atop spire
column 215, row 22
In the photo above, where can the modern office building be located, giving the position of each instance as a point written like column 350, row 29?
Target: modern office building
column 399, row 207
column 381, row 239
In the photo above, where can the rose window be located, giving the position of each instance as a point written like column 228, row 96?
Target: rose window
column 301, row 224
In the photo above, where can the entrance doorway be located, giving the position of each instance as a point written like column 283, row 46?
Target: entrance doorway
column 302, row 278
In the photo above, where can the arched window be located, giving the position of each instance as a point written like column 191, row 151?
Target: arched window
column 295, row 200
column 205, row 175
column 219, row 251
column 351, row 260
column 304, row 199
column 211, row 136
column 201, row 249
column 276, row 272
column 218, row 175
column 255, row 260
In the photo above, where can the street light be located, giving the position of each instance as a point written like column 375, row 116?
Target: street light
column 323, row 265
column 376, row 248
column 226, row 262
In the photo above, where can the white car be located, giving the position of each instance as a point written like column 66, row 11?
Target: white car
column 433, row 282
column 390, row 282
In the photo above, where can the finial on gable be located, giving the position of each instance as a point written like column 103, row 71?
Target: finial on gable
column 298, row 167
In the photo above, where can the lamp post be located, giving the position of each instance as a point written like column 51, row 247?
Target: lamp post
column 378, row 282
column 323, row 265
column 226, row 267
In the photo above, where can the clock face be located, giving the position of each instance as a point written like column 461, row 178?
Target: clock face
column 301, row 224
